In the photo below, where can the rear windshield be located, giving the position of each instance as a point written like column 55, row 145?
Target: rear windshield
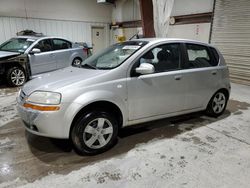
column 16, row 45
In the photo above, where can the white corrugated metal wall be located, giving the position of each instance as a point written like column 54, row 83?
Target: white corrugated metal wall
column 73, row 30
column 231, row 34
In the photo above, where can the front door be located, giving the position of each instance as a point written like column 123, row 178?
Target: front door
column 44, row 61
column 98, row 39
column 159, row 93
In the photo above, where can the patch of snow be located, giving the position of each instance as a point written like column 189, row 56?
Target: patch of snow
column 8, row 110
column 4, row 141
column 6, row 144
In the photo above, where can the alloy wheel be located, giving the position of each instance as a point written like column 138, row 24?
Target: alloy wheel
column 17, row 77
column 219, row 103
column 98, row 133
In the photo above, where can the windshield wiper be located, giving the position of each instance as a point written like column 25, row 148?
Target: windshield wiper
column 89, row 66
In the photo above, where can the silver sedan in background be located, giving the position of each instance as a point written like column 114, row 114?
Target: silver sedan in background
column 128, row 83
column 25, row 57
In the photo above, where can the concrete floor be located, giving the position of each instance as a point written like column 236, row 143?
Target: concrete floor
column 29, row 157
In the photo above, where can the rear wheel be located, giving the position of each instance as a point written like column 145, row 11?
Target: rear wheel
column 94, row 133
column 77, row 62
column 217, row 104
column 16, row 76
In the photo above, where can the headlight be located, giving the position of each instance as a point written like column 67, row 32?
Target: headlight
column 45, row 97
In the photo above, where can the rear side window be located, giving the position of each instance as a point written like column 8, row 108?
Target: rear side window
column 60, row 44
column 198, row 56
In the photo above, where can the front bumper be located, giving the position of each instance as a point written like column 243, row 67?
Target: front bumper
column 44, row 123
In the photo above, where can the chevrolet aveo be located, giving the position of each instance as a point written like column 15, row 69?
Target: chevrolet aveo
column 128, row 83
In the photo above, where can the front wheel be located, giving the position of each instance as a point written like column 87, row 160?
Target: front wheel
column 217, row 104
column 16, row 76
column 94, row 133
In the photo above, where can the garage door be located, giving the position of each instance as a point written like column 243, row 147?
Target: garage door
column 231, row 34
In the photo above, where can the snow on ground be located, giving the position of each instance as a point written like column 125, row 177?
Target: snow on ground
column 7, row 106
column 213, row 155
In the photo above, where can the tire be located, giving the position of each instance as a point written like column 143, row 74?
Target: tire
column 16, row 76
column 76, row 62
column 94, row 133
column 217, row 104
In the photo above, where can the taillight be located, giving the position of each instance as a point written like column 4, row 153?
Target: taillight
column 85, row 51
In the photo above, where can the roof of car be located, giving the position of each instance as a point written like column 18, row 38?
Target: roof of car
column 156, row 40
column 30, row 37
column 39, row 37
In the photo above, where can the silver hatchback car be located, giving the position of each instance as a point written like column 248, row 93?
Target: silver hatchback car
column 128, row 83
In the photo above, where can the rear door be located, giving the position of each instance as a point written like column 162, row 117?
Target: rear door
column 201, row 75
column 44, row 61
column 162, row 92
column 62, row 50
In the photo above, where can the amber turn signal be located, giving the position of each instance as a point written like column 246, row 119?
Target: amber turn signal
column 41, row 108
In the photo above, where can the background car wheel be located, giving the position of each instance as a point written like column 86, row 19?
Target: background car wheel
column 77, row 62
column 94, row 133
column 217, row 104
column 16, row 76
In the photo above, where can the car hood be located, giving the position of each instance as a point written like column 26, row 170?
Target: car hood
column 6, row 55
column 60, row 78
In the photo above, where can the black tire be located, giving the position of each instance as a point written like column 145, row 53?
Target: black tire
column 82, row 140
column 16, row 76
column 76, row 62
column 214, row 109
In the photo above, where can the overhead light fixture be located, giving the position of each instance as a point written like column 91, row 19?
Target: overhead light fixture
column 106, row 1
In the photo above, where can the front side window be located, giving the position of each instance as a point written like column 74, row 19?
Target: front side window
column 113, row 56
column 44, row 45
column 164, row 57
column 60, row 44
column 198, row 56
column 16, row 45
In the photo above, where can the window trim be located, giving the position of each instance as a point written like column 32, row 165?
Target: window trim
column 213, row 54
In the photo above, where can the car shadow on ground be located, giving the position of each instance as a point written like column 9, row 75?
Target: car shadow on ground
column 128, row 137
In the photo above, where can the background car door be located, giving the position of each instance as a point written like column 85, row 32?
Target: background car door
column 201, row 75
column 44, row 61
column 159, row 93
column 62, row 51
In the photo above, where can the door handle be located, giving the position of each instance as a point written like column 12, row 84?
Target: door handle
column 214, row 72
column 177, row 77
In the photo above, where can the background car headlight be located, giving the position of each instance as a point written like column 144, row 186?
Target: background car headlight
column 45, row 97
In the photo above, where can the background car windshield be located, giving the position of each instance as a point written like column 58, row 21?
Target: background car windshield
column 114, row 55
column 16, row 45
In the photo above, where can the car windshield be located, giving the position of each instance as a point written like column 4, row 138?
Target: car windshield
column 16, row 44
column 113, row 56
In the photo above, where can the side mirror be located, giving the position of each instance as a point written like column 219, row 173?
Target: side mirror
column 35, row 51
column 145, row 68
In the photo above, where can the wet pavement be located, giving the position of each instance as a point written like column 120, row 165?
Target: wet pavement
column 30, row 157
